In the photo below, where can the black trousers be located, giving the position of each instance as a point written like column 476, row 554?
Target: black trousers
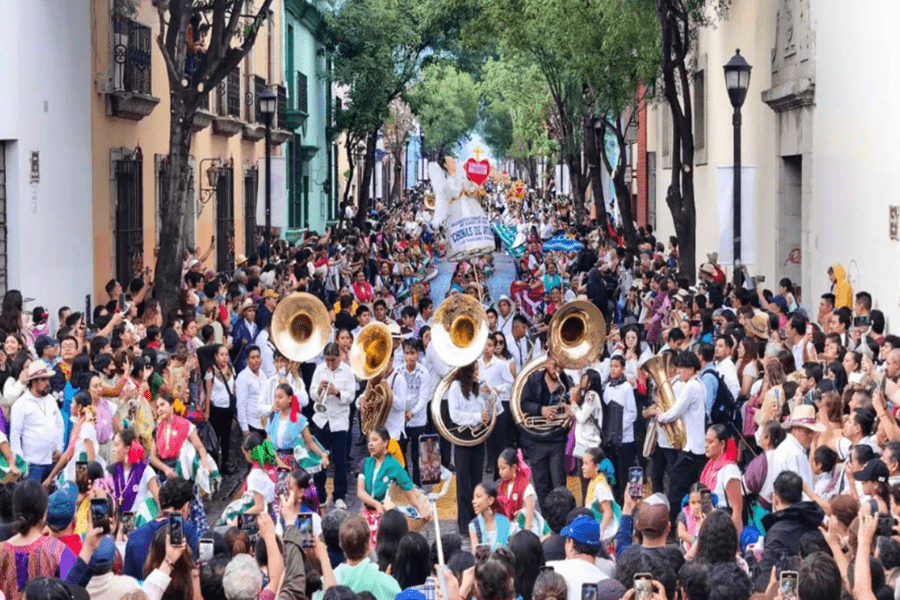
column 502, row 437
column 684, row 473
column 622, row 457
column 469, row 473
column 336, row 444
column 663, row 459
column 220, row 419
column 412, row 454
column 547, row 462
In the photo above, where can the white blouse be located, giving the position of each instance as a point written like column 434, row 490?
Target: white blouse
column 464, row 410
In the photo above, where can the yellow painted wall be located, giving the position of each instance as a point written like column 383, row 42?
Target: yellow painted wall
column 151, row 134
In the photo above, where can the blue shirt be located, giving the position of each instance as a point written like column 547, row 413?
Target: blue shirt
column 710, row 380
column 138, row 546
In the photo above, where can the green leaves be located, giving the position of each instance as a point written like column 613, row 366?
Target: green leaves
column 446, row 103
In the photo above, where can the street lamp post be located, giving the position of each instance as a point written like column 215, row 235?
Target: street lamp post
column 737, row 81
column 267, row 102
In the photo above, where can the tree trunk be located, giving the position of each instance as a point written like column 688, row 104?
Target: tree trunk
column 349, row 148
column 398, row 180
column 367, row 173
column 172, row 205
column 592, row 157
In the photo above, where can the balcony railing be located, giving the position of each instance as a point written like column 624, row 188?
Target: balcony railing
column 233, row 93
column 281, row 106
column 132, row 57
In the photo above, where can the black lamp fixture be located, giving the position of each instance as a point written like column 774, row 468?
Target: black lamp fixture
column 267, row 104
column 737, row 81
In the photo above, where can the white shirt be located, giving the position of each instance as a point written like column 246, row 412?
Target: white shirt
column 577, row 572
column 797, row 351
column 248, row 391
column 88, row 432
column 726, row 474
column 337, row 408
column 464, row 410
column 266, row 352
column 791, row 456
column 497, row 375
column 36, row 429
column 504, row 324
column 728, row 371
column 412, row 387
column 220, row 397
column 623, row 395
column 520, row 350
column 690, row 405
column 267, row 395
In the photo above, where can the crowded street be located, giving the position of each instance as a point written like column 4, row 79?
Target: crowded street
column 449, row 300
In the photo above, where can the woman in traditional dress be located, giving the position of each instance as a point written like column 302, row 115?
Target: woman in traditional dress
column 599, row 497
column 259, row 487
column 289, row 431
column 362, row 289
column 175, row 445
column 106, row 421
column 83, row 445
column 135, row 410
column 722, row 476
column 134, row 482
column 28, row 554
column 517, row 497
column 379, row 470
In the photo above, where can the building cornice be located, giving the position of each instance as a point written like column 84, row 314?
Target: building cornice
column 791, row 95
column 308, row 15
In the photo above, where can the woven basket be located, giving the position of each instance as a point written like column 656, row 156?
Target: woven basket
column 398, row 497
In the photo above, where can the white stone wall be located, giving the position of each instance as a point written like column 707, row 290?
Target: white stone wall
column 45, row 94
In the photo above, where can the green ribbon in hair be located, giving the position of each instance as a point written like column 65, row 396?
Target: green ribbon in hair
column 264, row 453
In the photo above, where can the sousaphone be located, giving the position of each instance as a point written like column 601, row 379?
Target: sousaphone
column 459, row 332
column 575, row 338
column 370, row 357
column 300, row 327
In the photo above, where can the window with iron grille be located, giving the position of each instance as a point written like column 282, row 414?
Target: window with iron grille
column 233, row 93
column 251, row 185
column 297, row 206
column 225, row 220
column 129, row 236
column 302, row 98
column 259, row 84
column 131, row 53
column 281, row 106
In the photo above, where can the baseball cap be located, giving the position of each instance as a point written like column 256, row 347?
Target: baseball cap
column 875, row 470
column 42, row 343
column 584, row 530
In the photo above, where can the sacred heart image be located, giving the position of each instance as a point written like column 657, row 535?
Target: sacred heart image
column 477, row 172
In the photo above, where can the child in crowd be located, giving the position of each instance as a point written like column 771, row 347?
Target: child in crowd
column 488, row 527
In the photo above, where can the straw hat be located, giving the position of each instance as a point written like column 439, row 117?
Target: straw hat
column 804, row 415
column 39, row 369
column 759, row 325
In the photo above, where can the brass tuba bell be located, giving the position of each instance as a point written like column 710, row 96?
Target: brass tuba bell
column 300, row 327
column 429, row 201
column 657, row 367
column 370, row 357
column 575, row 338
column 459, row 330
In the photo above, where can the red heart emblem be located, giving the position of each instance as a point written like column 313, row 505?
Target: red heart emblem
column 519, row 190
column 477, row 172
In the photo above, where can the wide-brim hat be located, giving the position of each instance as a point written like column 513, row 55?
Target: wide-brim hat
column 758, row 326
column 39, row 369
column 239, row 260
column 709, row 269
column 713, row 257
column 248, row 303
column 804, row 415
column 395, row 330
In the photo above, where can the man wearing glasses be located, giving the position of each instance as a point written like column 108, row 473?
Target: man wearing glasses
column 68, row 350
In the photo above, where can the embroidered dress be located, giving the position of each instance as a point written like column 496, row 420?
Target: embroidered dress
column 376, row 485
column 81, row 432
column 20, row 564
column 287, row 436
column 174, row 449
column 511, row 497
column 497, row 537
column 598, row 492
column 260, row 481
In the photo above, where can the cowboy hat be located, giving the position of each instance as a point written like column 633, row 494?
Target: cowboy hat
column 713, row 257
column 708, row 268
column 759, row 325
column 804, row 415
column 39, row 369
column 248, row 303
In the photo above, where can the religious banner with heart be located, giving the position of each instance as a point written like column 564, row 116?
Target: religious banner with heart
column 477, row 171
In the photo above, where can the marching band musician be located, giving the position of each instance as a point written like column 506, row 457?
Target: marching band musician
column 544, row 391
column 663, row 458
column 499, row 374
column 333, row 389
column 619, row 426
column 411, row 393
column 467, row 408
column 690, row 405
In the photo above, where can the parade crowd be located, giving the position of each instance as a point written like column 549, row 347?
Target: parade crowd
column 772, row 467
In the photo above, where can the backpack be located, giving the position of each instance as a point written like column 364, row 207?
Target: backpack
column 724, row 409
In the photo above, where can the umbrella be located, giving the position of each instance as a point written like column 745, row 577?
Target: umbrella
column 560, row 242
